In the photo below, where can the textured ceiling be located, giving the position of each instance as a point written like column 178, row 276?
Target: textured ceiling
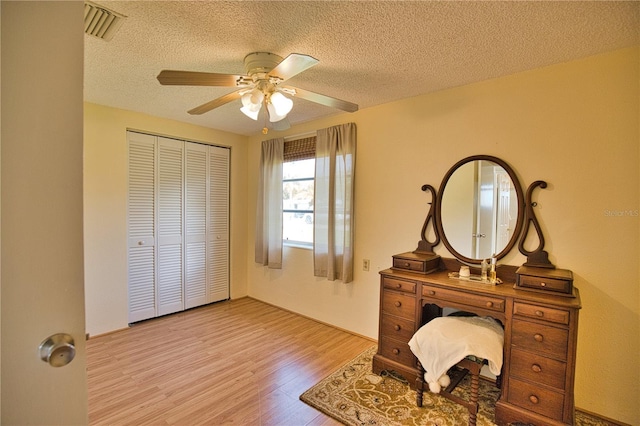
column 370, row 52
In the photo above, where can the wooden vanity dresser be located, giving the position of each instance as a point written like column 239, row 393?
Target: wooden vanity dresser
column 539, row 343
column 536, row 303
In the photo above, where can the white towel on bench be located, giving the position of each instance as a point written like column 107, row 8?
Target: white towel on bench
column 444, row 341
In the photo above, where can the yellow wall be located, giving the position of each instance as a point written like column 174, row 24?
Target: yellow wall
column 105, row 207
column 574, row 125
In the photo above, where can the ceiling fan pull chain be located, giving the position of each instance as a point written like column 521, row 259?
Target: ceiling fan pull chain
column 265, row 130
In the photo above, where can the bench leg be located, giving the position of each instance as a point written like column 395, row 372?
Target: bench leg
column 419, row 385
column 473, row 399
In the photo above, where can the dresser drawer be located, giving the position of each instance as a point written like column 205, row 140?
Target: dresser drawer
column 548, row 284
column 546, row 280
column 526, row 310
column 397, row 328
column 399, row 304
column 534, row 398
column 541, row 339
column 538, row 369
column 397, row 351
column 400, row 285
column 423, row 263
column 409, row 265
column 480, row 301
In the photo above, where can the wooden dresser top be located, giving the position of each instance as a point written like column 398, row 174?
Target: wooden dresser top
column 506, row 289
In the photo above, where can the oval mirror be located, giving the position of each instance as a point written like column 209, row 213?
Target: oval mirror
column 480, row 209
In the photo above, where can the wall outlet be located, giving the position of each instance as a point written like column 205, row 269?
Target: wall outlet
column 365, row 264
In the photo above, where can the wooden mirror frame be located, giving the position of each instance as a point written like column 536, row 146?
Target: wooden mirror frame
column 520, row 201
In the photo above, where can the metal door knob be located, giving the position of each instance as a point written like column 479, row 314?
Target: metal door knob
column 58, row 350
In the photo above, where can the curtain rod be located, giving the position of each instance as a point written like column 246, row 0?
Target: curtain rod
column 300, row 136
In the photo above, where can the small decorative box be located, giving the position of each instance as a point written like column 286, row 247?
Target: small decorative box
column 420, row 262
column 545, row 280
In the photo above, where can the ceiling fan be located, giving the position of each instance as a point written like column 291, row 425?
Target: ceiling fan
column 261, row 86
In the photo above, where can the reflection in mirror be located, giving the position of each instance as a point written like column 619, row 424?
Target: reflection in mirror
column 479, row 209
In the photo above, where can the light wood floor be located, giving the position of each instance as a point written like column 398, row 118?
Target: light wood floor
column 239, row 362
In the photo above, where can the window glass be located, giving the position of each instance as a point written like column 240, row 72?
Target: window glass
column 297, row 201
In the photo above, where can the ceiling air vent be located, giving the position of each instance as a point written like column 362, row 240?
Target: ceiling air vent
column 101, row 22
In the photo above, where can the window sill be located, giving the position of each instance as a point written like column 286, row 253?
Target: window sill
column 298, row 244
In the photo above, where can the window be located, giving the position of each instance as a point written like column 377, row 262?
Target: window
column 305, row 196
column 298, row 189
column 297, row 201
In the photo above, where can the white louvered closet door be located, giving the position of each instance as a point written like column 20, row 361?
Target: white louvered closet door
column 170, row 226
column 218, row 238
column 178, row 225
column 196, row 191
column 141, row 251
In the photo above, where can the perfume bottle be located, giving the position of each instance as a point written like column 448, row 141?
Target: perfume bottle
column 485, row 267
column 492, row 271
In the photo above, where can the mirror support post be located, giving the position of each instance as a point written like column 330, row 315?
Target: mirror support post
column 539, row 257
column 424, row 245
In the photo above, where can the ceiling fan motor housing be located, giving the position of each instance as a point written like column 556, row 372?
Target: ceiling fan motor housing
column 260, row 62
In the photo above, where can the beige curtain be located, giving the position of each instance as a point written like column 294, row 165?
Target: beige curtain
column 269, row 209
column 333, row 210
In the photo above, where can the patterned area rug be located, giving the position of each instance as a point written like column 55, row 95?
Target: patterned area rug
column 355, row 396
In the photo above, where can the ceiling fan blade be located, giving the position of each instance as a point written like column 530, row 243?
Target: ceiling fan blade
column 292, row 65
column 192, row 78
column 215, row 103
column 324, row 100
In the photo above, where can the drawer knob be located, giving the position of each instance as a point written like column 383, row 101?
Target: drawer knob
column 539, row 314
column 397, row 327
column 489, row 304
column 398, row 304
column 407, row 264
column 536, row 368
column 398, row 285
column 543, row 284
column 534, row 399
column 431, row 293
column 538, row 337
column 396, row 351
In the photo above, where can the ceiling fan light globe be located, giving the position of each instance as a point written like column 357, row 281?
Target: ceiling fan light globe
column 273, row 113
column 253, row 99
column 257, row 97
column 246, row 99
column 250, row 113
column 281, row 103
